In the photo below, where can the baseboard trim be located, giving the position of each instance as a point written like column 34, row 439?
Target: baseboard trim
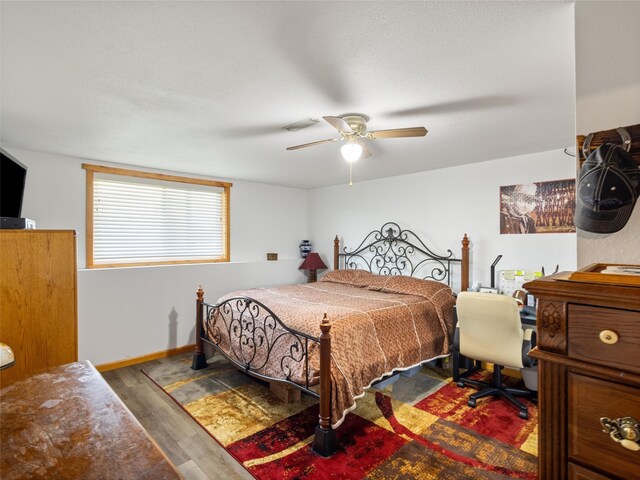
column 105, row 367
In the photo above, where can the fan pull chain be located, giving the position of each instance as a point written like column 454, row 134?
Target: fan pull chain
column 351, row 174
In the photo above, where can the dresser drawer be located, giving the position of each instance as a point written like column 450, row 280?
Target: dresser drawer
column 585, row 326
column 576, row 472
column 589, row 400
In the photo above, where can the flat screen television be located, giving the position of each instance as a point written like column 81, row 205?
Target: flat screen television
column 12, row 178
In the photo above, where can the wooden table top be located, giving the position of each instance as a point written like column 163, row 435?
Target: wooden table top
column 67, row 423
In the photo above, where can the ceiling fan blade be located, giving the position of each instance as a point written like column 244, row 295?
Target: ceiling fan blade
column 338, row 123
column 398, row 132
column 304, row 145
column 460, row 105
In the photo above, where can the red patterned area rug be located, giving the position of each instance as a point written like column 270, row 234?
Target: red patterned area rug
column 417, row 428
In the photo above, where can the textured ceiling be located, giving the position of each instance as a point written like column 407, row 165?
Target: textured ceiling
column 206, row 87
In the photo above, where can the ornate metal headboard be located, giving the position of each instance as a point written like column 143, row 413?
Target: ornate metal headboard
column 394, row 251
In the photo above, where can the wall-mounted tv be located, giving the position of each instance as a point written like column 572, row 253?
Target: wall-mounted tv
column 12, row 178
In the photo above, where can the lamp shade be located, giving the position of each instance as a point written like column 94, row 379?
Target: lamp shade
column 312, row 262
column 351, row 151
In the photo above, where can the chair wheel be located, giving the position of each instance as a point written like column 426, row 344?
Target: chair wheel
column 523, row 414
column 461, row 384
column 471, row 403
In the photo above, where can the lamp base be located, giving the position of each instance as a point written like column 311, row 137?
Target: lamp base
column 312, row 276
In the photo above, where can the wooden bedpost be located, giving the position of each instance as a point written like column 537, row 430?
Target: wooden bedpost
column 199, row 359
column 336, row 250
column 464, row 280
column 324, row 442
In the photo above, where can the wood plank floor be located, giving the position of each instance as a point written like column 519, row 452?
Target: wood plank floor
column 188, row 446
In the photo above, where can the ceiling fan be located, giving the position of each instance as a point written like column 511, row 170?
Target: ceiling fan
column 353, row 128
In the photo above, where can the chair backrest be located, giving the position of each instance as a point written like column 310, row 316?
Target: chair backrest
column 490, row 328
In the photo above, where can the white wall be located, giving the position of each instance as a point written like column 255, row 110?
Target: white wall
column 440, row 206
column 608, row 96
column 129, row 312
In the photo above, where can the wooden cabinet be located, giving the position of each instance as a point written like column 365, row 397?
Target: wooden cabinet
column 38, row 299
column 589, row 368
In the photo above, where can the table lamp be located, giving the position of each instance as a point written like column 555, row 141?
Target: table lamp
column 312, row 262
column 7, row 358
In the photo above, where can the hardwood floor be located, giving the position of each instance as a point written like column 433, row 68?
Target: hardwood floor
column 188, row 446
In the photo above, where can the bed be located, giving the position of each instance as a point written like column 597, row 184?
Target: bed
column 387, row 307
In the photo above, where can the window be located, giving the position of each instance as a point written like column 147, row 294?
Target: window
column 141, row 218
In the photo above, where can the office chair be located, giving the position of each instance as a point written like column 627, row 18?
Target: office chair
column 489, row 329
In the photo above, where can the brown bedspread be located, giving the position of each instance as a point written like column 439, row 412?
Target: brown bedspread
column 379, row 325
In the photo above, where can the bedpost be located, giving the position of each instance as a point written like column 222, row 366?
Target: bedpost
column 464, row 280
column 199, row 359
column 324, row 442
column 336, row 249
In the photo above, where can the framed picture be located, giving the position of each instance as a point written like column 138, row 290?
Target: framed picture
column 540, row 207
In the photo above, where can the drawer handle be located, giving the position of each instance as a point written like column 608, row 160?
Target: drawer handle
column 609, row 337
column 625, row 431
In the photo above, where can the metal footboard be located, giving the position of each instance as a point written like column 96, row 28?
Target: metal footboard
column 254, row 339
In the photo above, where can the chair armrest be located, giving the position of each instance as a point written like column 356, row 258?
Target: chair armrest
column 530, row 335
column 528, row 343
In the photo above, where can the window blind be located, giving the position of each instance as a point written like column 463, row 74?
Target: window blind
column 138, row 220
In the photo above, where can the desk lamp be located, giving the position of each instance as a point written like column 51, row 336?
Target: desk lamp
column 312, row 262
column 493, row 271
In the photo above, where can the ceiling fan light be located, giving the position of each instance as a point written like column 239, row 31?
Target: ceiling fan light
column 351, row 151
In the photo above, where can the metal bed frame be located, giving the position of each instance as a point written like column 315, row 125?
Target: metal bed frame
column 253, row 329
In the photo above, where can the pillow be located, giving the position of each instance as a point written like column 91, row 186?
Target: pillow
column 412, row 286
column 355, row 277
column 377, row 282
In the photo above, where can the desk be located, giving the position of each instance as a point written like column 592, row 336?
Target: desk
column 67, row 423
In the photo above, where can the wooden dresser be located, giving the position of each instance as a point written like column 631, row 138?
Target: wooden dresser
column 38, row 306
column 589, row 368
